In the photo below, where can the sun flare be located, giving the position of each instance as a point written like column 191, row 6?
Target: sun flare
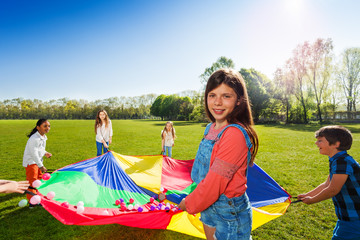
column 294, row 6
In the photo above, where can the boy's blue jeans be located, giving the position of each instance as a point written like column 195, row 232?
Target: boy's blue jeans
column 169, row 151
column 100, row 147
column 349, row 230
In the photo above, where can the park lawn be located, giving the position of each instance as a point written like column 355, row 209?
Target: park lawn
column 287, row 153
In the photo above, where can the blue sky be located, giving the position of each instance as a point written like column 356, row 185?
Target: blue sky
column 93, row 49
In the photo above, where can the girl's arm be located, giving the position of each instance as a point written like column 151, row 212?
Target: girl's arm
column 98, row 133
column 111, row 132
column 34, row 151
column 162, row 141
column 7, row 186
column 230, row 158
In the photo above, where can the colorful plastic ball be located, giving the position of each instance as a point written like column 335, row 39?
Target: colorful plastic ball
column 140, row 209
column 152, row 208
column 23, row 203
column 117, row 202
column 65, row 204
column 161, row 189
column 46, row 176
column 167, row 208
column 80, row 209
column 123, row 208
column 80, row 203
column 121, row 200
column 105, row 212
column 130, row 207
column 162, row 207
column 36, row 183
column 136, row 206
column 50, row 195
column 162, row 197
column 131, row 200
column 35, row 199
column 152, row 199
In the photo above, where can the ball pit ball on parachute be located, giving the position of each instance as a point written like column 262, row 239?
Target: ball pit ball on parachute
column 36, row 183
column 46, row 176
column 34, row 200
column 23, row 203
column 50, row 195
column 80, row 209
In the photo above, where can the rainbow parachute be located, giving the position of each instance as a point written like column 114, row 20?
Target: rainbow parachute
column 100, row 181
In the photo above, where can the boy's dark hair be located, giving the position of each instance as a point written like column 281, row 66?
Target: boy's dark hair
column 335, row 134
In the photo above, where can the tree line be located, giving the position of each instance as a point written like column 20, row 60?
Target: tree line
column 313, row 84
column 117, row 107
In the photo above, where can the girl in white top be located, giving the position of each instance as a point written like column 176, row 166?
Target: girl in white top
column 167, row 138
column 103, row 131
column 35, row 151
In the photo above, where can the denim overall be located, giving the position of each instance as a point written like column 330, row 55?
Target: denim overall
column 232, row 217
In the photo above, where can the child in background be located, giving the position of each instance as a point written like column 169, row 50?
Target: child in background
column 220, row 168
column 167, row 138
column 103, row 131
column 34, row 153
column 342, row 184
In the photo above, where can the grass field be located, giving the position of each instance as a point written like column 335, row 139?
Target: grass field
column 287, row 153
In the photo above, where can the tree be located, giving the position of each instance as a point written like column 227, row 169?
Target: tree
column 257, row 86
column 296, row 69
column 186, row 108
column 349, row 76
column 319, row 68
column 156, row 107
column 222, row 62
column 284, row 90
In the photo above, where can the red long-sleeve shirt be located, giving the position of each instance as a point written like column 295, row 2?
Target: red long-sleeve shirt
column 227, row 173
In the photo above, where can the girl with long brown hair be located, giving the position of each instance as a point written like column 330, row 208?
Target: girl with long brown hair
column 103, row 131
column 227, row 149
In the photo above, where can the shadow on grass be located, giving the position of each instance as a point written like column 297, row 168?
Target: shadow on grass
column 184, row 123
column 311, row 127
column 6, row 197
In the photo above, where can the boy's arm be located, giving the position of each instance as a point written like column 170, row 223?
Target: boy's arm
column 316, row 190
column 336, row 183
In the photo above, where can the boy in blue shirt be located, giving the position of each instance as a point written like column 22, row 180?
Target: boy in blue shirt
column 342, row 184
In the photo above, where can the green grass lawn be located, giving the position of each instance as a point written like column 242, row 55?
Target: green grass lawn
column 287, row 153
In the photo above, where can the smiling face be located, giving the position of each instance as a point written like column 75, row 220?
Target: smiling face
column 102, row 116
column 43, row 128
column 221, row 101
column 168, row 127
column 325, row 148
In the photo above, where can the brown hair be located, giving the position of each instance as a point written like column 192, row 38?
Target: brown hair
column 335, row 134
column 98, row 122
column 172, row 130
column 242, row 112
